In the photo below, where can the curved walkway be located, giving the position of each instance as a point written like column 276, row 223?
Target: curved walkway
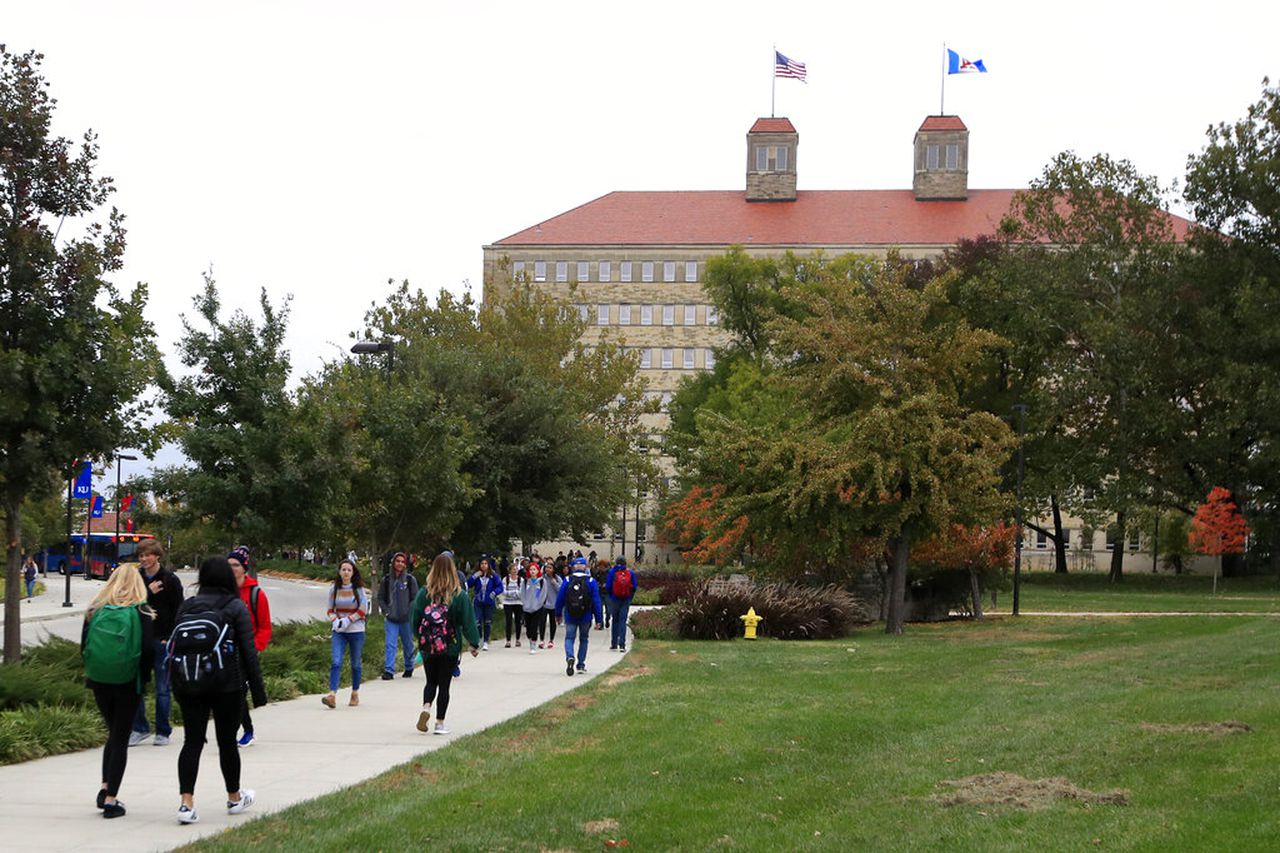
column 303, row 750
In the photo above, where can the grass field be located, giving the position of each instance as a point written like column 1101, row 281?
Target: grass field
column 852, row 744
column 1145, row 593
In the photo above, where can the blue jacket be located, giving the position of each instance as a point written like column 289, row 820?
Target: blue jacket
column 485, row 589
column 608, row 584
column 595, row 599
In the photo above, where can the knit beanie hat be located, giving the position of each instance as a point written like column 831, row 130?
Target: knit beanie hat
column 240, row 554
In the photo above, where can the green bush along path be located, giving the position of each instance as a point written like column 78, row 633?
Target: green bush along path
column 1145, row 593
column 845, row 744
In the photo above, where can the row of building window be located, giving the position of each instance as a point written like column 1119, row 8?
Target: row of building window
column 605, row 270
column 643, row 315
column 683, row 358
column 1084, row 538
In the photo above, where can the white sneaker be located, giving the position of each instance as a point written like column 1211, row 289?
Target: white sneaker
column 187, row 814
column 533, row 650
column 161, row 740
column 485, row 647
column 442, row 729
column 137, row 738
column 246, row 800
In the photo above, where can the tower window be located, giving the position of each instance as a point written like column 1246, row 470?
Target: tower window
column 953, row 156
column 771, row 158
column 931, row 157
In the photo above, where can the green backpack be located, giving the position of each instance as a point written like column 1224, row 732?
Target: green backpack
column 113, row 645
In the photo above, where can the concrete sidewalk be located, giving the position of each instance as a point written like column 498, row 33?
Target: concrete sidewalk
column 49, row 605
column 303, row 750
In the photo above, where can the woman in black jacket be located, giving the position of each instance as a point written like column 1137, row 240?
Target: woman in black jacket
column 219, row 598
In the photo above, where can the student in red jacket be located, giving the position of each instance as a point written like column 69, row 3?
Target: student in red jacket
column 255, row 600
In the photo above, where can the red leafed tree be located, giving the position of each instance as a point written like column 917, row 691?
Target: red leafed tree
column 1218, row 528
column 974, row 549
column 701, row 528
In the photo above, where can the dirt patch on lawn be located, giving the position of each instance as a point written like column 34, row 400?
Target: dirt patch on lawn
column 565, row 709
column 1227, row 727
column 402, row 776
column 1010, row 789
column 595, row 827
column 613, row 679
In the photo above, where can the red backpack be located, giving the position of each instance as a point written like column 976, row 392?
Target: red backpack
column 623, row 584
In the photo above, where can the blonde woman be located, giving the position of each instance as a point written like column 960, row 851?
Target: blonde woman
column 444, row 615
column 116, row 672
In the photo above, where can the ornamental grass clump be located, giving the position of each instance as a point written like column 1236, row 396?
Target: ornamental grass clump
column 712, row 611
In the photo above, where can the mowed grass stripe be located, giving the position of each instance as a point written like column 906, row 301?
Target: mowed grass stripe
column 777, row 745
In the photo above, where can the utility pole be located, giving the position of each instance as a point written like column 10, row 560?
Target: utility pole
column 1021, row 410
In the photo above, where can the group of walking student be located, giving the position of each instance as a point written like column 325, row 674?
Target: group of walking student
column 203, row 650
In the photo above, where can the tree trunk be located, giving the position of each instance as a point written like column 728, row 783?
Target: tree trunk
column 13, row 582
column 1060, row 541
column 896, row 615
column 1117, row 553
column 976, row 591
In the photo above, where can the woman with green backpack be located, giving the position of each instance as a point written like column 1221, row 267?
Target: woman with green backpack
column 117, row 644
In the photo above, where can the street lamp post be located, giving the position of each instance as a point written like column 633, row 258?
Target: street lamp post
column 1021, row 410
column 370, row 347
column 66, row 563
column 115, row 561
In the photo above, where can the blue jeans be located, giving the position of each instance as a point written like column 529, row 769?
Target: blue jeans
column 402, row 631
column 618, row 610
column 164, row 701
column 484, row 620
column 339, row 643
column 583, row 632
column 31, row 588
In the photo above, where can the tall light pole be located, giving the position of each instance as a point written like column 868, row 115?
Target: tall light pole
column 1021, row 410
column 115, row 559
column 370, row 347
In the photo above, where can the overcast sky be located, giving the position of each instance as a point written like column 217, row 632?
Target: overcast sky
column 321, row 148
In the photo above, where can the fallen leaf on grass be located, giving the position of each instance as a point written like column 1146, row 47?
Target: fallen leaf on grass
column 595, row 827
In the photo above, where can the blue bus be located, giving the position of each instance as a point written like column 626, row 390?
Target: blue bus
column 102, row 553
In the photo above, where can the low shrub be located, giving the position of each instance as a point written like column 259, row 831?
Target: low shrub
column 659, row 624
column 670, row 586
column 711, row 611
column 40, row 730
column 647, row 597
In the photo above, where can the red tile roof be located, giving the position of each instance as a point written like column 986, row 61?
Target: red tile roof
column 943, row 123
column 772, row 125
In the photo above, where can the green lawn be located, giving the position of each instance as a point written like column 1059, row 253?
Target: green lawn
column 1144, row 592
column 845, row 745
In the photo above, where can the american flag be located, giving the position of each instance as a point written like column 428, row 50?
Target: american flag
column 783, row 67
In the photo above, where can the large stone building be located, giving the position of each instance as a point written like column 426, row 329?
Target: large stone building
column 635, row 260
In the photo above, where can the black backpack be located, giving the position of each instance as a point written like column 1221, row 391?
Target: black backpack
column 201, row 652
column 578, row 599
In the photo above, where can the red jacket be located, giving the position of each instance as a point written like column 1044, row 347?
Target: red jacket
column 262, row 619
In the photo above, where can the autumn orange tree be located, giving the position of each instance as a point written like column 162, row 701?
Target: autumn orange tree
column 1218, row 528
column 977, row 550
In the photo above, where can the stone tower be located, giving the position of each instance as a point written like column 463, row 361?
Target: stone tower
column 771, row 160
column 941, row 160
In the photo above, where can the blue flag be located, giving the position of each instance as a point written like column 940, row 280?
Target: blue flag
column 97, row 506
column 957, row 64
column 84, row 481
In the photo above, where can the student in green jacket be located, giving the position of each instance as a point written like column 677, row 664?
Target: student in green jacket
column 444, row 615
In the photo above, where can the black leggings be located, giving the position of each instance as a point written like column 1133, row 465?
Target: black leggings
column 439, row 675
column 246, row 721
column 549, row 624
column 533, row 625
column 225, row 708
column 116, row 702
column 515, row 616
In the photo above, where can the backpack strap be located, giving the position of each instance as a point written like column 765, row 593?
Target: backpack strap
column 255, row 593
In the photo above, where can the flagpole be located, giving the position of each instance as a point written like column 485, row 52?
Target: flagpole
column 942, row 100
column 773, row 92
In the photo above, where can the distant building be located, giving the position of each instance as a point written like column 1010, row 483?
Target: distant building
column 635, row 260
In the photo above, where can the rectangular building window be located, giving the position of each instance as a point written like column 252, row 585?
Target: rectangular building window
column 953, row 156
column 584, row 273
column 687, row 363
column 709, row 359
column 646, row 315
column 604, row 271
column 690, row 315
column 646, row 358
column 539, row 270
column 624, row 315
column 931, row 156
column 668, row 357
column 1042, row 540
column 625, row 269
column 690, row 270
column 562, row 270
column 668, row 270
column 771, row 158
column 1066, row 538
column 646, row 271
column 713, row 316
column 602, row 315
column 517, row 270
column 583, row 313
column 668, row 315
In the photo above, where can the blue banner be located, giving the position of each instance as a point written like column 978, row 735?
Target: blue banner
column 97, row 506
column 84, row 481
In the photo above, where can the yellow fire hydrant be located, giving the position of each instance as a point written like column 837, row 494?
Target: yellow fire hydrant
column 751, row 620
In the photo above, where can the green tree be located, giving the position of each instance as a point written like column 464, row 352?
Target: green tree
column 75, row 353
column 232, row 417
